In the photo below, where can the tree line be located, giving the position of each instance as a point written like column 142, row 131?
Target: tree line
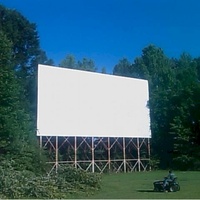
column 174, row 90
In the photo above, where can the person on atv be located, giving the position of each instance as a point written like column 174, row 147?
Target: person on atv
column 170, row 177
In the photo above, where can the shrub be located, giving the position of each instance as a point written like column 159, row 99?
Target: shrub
column 68, row 181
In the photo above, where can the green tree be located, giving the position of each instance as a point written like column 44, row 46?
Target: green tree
column 24, row 37
column 25, row 52
column 103, row 70
column 123, row 68
column 70, row 62
column 185, row 124
column 8, row 89
column 16, row 139
column 197, row 60
column 86, row 65
column 154, row 66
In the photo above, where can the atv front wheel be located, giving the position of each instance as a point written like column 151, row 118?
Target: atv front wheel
column 177, row 187
column 174, row 188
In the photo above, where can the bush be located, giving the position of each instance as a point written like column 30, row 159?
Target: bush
column 68, row 181
column 154, row 163
column 80, row 178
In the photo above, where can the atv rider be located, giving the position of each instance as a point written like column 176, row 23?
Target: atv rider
column 170, row 177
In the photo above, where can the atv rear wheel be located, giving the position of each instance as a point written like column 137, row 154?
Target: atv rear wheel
column 156, row 189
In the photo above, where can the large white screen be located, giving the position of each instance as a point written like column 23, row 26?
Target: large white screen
column 80, row 103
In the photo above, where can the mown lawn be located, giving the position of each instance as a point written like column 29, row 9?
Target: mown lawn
column 139, row 185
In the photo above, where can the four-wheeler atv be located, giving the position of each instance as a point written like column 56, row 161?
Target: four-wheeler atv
column 172, row 186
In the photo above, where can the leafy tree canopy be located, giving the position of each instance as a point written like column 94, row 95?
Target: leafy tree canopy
column 174, row 91
column 85, row 64
column 24, row 38
column 16, row 140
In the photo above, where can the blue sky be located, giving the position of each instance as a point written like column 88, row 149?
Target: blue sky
column 109, row 30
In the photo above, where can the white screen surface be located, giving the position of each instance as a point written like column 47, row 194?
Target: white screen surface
column 80, row 103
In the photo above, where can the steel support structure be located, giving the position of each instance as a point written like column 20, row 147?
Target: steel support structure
column 98, row 154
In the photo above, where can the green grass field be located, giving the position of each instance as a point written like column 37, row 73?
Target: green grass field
column 139, row 185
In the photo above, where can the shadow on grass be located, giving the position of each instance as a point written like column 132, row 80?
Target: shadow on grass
column 150, row 190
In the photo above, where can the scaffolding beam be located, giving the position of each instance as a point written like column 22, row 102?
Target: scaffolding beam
column 98, row 154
